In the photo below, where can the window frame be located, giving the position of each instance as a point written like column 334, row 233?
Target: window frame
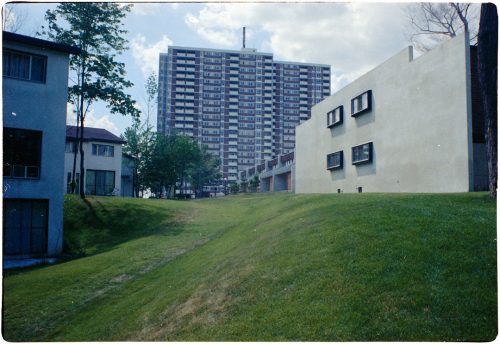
column 30, row 69
column 95, row 172
column 11, row 168
column 368, row 105
column 362, row 161
column 31, row 202
column 340, row 164
column 340, row 109
column 106, row 148
column 72, row 145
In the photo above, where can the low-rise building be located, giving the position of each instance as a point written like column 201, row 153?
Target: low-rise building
column 274, row 175
column 102, row 159
column 409, row 125
column 35, row 90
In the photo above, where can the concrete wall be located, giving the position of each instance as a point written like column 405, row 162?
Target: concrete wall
column 95, row 162
column 419, row 125
column 37, row 106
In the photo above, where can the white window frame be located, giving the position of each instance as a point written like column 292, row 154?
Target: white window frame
column 335, row 117
column 361, row 103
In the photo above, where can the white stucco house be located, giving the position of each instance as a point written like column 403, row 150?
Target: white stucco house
column 35, row 89
column 102, row 159
column 409, row 125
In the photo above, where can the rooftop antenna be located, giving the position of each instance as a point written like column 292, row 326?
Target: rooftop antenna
column 244, row 37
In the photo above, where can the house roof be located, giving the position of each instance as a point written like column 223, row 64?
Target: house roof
column 10, row 36
column 93, row 134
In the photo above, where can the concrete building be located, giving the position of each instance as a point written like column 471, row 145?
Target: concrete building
column 103, row 161
column 409, row 125
column 241, row 103
column 35, row 89
column 275, row 175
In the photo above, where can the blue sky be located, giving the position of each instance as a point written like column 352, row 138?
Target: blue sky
column 351, row 37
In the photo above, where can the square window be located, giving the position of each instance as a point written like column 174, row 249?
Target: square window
column 362, row 153
column 22, row 153
column 361, row 104
column 25, row 227
column 335, row 117
column 335, row 160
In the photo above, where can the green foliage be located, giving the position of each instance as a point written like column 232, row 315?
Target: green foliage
column 234, row 188
column 96, row 28
column 266, row 267
column 95, row 74
column 140, row 139
column 205, row 170
column 244, row 185
column 177, row 160
column 151, row 92
column 254, row 183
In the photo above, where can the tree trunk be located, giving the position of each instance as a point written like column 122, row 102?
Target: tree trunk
column 82, row 119
column 487, row 50
column 82, row 157
column 75, row 153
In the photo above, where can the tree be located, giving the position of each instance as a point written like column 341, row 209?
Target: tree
column 96, row 28
column 140, row 138
column 206, row 170
column 432, row 23
column 487, row 52
column 234, row 188
column 171, row 163
column 243, row 185
column 254, row 183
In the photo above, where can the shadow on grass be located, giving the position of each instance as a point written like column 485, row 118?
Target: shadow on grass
column 95, row 225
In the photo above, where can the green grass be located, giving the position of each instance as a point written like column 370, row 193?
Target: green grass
column 262, row 267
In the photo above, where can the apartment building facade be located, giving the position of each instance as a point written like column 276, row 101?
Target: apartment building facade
column 35, row 89
column 409, row 125
column 240, row 103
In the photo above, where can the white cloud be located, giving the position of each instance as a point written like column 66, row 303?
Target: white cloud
column 351, row 37
column 145, row 9
column 91, row 120
column 206, row 25
column 70, row 114
column 146, row 55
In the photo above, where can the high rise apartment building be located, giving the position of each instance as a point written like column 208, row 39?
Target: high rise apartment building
column 240, row 103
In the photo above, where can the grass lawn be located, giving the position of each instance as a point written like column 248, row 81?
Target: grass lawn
column 262, row 267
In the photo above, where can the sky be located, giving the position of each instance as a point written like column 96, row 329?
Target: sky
column 351, row 37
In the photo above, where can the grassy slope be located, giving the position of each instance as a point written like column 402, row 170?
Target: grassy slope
column 267, row 267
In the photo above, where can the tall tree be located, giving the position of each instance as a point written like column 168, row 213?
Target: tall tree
column 205, row 170
column 432, row 23
column 487, row 56
column 97, row 29
column 185, row 153
column 171, row 162
column 140, row 137
column 140, row 141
